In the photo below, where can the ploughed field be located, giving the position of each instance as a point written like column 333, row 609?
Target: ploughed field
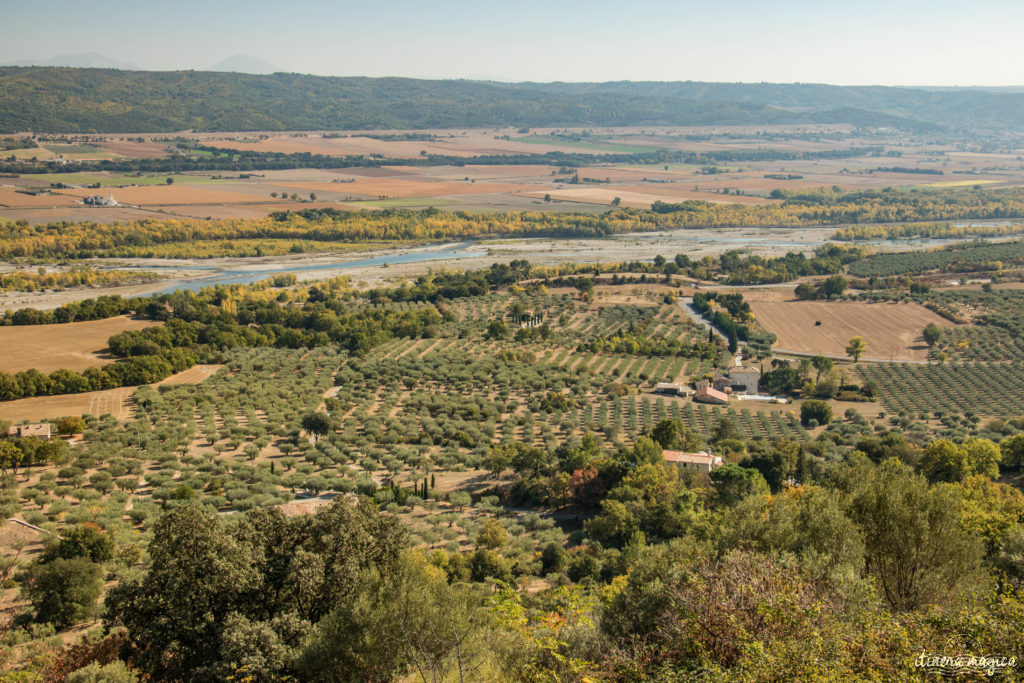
column 889, row 329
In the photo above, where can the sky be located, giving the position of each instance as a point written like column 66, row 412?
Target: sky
column 863, row 42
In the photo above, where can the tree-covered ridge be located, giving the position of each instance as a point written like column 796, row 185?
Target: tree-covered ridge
column 58, row 99
column 953, row 107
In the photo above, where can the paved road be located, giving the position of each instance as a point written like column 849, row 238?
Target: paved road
column 687, row 305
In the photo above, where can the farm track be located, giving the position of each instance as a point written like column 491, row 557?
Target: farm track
column 835, row 356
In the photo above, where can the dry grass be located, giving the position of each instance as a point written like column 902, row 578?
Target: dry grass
column 113, row 401
column 404, row 187
column 19, row 200
column 193, row 375
column 887, row 328
column 75, row 346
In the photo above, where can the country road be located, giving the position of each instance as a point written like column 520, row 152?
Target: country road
column 687, row 305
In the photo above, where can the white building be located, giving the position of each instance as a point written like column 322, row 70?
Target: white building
column 745, row 380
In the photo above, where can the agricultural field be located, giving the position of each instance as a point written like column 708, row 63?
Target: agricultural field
column 590, row 185
column 957, row 391
column 996, row 329
column 415, row 405
column 75, row 346
column 408, row 409
column 824, row 328
column 982, row 324
column 957, row 258
column 115, row 403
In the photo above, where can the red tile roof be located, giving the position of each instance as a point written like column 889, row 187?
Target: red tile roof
column 710, row 395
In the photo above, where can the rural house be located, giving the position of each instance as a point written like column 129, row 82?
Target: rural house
column 745, row 380
column 703, row 460
column 722, row 383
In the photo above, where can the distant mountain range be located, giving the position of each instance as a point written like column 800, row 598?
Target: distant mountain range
column 84, row 60
column 244, row 64
column 121, row 101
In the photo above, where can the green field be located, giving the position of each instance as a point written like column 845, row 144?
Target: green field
column 84, row 148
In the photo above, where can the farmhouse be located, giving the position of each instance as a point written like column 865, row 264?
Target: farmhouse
column 722, row 383
column 703, row 460
column 40, row 430
column 709, row 395
column 745, row 379
column 98, row 200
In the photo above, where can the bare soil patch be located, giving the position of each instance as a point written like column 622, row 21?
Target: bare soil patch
column 136, row 150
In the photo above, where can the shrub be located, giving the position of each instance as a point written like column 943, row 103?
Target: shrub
column 819, row 411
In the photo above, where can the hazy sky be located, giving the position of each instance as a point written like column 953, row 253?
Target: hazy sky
column 896, row 42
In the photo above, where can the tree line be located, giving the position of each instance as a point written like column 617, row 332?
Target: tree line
column 87, row 239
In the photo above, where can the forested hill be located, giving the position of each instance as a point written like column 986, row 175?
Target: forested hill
column 960, row 108
column 56, row 99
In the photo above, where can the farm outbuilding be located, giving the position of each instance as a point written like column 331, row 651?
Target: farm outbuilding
column 672, row 389
column 709, row 395
column 40, row 430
